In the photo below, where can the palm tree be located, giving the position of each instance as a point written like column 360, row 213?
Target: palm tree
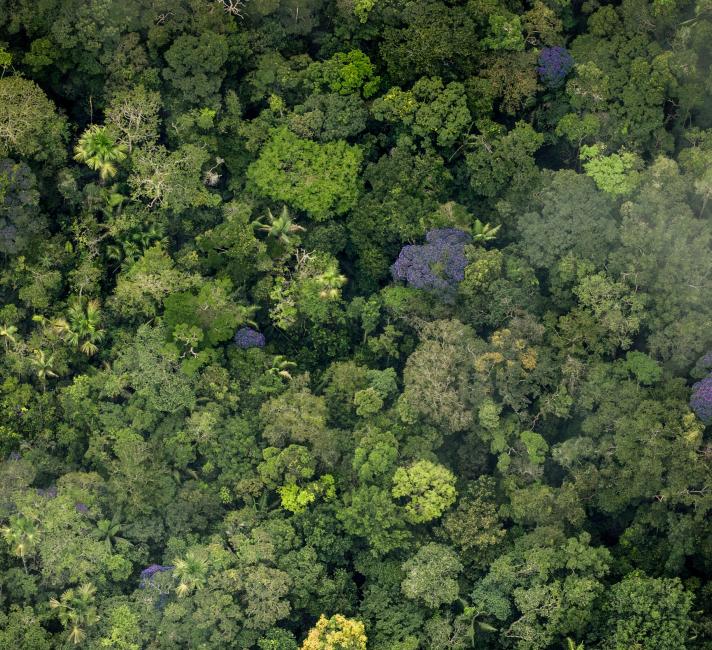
column 278, row 228
column 109, row 532
column 76, row 610
column 84, row 319
column 98, row 148
column 44, row 364
column 82, row 329
column 572, row 645
column 331, row 281
column 21, row 534
column 482, row 232
column 280, row 367
column 8, row 332
column 191, row 571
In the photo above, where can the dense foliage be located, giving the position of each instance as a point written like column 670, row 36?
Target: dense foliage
column 347, row 324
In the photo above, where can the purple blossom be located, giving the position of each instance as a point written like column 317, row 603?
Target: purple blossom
column 554, row 64
column 438, row 265
column 150, row 571
column 701, row 400
column 15, row 455
column 246, row 337
column 81, row 508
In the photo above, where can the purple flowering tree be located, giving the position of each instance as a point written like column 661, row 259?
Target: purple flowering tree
column 438, row 265
column 701, row 399
column 554, row 64
column 150, row 571
column 246, row 338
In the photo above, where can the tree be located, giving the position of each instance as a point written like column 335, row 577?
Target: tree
column 171, row 179
column 437, row 376
column 30, row 126
column 213, row 310
column 44, row 366
column 475, row 525
column 195, row 67
column 152, row 370
column 20, row 219
column 320, row 179
column 98, row 149
column 20, row 628
column 427, row 489
column 346, row 73
column 499, row 161
column 133, row 113
column 569, row 215
column 429, row 38
column 141, row 289
column 662, row 248
column 616, row 174
column 647, row 613
column 336, row 633
column 108, row 531
column 546, row 588
column 431, row 575
column 301, row 417
column 369, row 512
column 429, row 110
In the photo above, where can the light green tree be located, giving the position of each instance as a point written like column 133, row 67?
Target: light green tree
column 427, row 489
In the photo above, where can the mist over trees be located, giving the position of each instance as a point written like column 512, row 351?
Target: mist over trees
column 356, row 324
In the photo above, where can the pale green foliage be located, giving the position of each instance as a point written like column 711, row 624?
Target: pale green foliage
column 428, row 490
column 124, row 631
column 362, row 8
column 346, row 73
column 133, row 114
column 171, row 179
column 375, row 455
column 616, row 174
column 141, row 289
column 505, row 33
column 535, row 445
column 296, row 498
column 615, row 306
column 320, row 179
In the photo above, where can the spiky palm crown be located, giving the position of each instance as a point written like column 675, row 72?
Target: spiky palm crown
column 21, row 534
column 280, row 227
column 100, row 151
column 190, row 572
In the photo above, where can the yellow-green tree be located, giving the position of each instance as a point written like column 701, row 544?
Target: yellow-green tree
column 336, row 633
